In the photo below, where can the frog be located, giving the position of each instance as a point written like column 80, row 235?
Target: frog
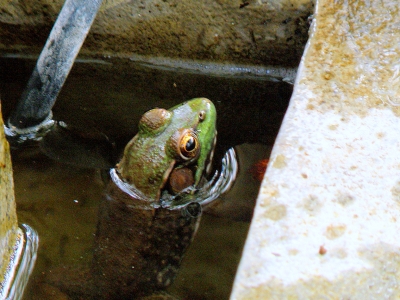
column 171, row 144
column 141, row 237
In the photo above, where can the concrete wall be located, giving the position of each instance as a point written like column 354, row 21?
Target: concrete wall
column 10, row 234
column 242, row 32
column 326, row 222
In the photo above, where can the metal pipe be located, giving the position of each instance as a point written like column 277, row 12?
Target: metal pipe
column 54, row 63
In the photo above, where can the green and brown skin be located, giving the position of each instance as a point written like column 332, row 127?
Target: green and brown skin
column 138, row 245
column 168, row 140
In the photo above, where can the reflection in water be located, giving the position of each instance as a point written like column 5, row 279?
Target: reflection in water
column 26, row 263
column 239, row 202
column 138, row 251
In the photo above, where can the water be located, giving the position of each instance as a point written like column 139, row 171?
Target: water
column 25, row 264
column 59, row 197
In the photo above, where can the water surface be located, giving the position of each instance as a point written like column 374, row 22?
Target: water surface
column 59, row 198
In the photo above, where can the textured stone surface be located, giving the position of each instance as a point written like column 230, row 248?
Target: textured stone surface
column 326, row 221
column 9, row 231
column 245, row 32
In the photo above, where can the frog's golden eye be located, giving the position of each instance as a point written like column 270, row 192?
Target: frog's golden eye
column 189, row 146
column 184, row 144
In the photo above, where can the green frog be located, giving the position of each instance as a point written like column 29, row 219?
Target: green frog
column 168, row 142
column 141, row 237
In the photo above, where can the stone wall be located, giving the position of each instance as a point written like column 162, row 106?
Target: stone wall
column 326, row 221
column 9, row 231
column 258, row 32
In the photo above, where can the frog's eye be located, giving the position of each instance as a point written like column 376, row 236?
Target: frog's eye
column 185, row 144
column 189, row 145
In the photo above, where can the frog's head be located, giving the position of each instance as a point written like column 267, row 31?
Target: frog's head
column 172, row 150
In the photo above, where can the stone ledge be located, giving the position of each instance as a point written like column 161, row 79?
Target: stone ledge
column 245, row 32
column 325, row 224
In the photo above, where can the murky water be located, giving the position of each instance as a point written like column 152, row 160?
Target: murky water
column 60, row 198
